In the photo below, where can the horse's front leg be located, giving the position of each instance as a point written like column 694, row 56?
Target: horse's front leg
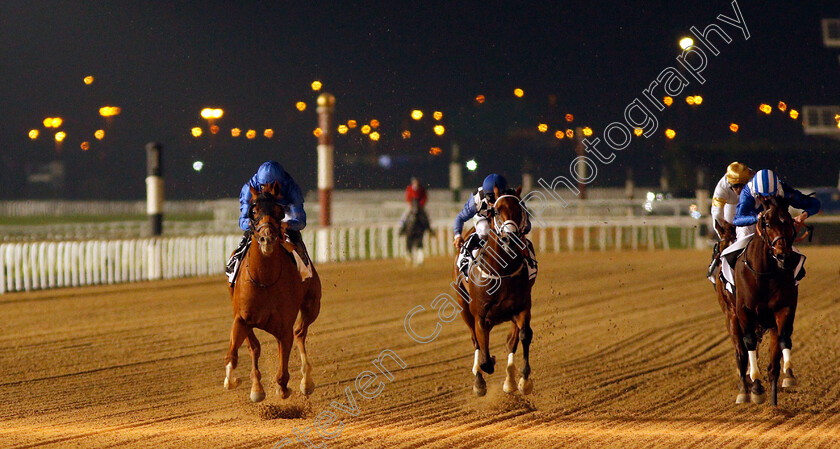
column 746, row 320
column 482, row 334
column 238, row 332
column 523, row 320
column 257, row 392
column 511, row 372
column 784, row 322
column 284, row 344
column 740, row 358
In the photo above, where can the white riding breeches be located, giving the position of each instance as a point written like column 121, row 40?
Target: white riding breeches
column 482, row 227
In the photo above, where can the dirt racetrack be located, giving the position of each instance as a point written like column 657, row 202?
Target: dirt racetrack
column 629, row 350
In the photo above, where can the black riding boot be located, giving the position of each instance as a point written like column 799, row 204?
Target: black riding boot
column 715, row 260
column 297, row 239
column 233, row 263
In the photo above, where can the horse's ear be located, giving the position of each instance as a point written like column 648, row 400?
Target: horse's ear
column 519, row 190
column 497, row 192
column 254, row 193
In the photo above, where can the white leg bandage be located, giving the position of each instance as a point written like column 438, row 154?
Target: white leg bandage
column 475, row 364
column 786, row 358
column 753, row 365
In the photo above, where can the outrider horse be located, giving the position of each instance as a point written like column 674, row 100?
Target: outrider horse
column 269, row 295
column 766, row 295
column 498, row 290
column 414, row 228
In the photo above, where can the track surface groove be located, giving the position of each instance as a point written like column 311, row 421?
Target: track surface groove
column 629, row 350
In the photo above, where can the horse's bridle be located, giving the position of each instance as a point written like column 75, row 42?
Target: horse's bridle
column 761, row 230
column 255, row 227
column 500, row 225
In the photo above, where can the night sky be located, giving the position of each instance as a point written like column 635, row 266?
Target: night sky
column 162, row 62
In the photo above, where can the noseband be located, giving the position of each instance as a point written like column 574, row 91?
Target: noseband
column 500, row 225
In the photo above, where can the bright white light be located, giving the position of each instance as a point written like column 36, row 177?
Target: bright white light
column 385, row 161
column 472, row 165
column 198, row 165
column 686, row 42
column 651, row 196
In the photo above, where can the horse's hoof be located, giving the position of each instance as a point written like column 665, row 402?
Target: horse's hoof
column 758, row 398
column 283, row 392
column 307, row 387
column 479, row 386
column 526, row 386
column 788, row 382
column 742, row 398
column 509, row 386
column 231, row 383
column 257, row 396
column 479, row 391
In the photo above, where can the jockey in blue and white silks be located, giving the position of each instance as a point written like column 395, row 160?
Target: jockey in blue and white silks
column 765, row 183
column 291, row 202
column 480, row 207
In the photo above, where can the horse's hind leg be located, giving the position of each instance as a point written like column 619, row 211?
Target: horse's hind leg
column 284, row 344
column 237, row 335
column 511, row 371
column 523, row 320
column 309, row 311
column 257, row 392
column 773, row 367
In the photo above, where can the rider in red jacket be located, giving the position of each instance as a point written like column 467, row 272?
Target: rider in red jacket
column 415, row 191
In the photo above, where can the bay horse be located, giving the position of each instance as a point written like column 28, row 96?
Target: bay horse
column 498, row 290
column 269, row 295
column 766, row 296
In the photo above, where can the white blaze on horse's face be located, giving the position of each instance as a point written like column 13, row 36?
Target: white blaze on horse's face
column 506, row 221
column 266, row 233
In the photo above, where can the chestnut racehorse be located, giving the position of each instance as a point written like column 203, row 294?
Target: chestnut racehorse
column 498, row 290
column 269, row 295
column 766, row 295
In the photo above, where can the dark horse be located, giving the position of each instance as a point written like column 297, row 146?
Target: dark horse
column 414, row 227
column 766, row 295
column 498, row 290
column 269, row 295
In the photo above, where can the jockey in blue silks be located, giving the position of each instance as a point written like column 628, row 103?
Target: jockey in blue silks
column 292, row 203
column 480, row 205
column 766, row 183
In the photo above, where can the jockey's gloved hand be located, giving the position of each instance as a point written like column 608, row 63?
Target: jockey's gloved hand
column 801, row 218
column 458, row 241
